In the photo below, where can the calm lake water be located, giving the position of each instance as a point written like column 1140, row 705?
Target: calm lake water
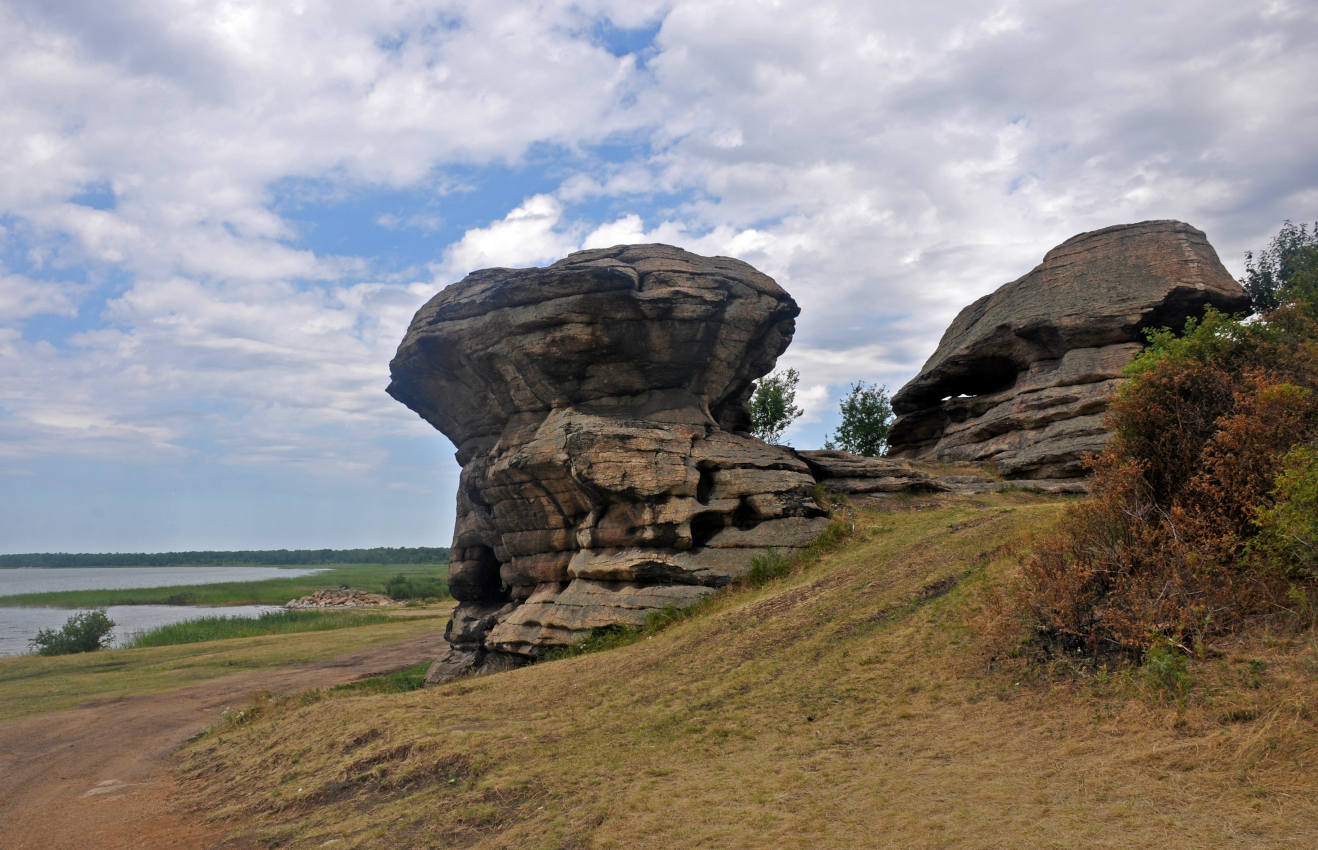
column 18, row 625
column 119, row 578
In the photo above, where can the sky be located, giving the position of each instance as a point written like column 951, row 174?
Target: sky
column 217, row 218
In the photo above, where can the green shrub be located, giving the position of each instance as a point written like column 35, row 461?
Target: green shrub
column 599, row 639
column 402, row 587
column 86, row 631
column 1166, row 668
column 765, row 568
column 658, row 620
column 1287, row 540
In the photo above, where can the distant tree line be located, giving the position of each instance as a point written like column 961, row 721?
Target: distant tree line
column 261, row 557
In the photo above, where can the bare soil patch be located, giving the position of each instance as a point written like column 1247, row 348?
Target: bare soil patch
column 102, row 775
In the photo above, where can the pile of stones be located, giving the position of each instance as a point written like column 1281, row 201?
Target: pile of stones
column 342, row 597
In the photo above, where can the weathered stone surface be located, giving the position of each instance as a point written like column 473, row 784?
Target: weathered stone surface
column 854, row 475
column 1022, row 376
column 597, row 406
column 878, row 477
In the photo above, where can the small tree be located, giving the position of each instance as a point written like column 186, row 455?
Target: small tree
column 399, row 587
column 87, row 631
column 773, row 405
column 1285, row 270
column 866, row 418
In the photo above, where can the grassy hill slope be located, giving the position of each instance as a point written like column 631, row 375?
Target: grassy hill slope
column 859, row 702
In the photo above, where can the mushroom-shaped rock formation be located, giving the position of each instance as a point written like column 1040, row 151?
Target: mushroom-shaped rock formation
column 599, row 408
column 1023, row 376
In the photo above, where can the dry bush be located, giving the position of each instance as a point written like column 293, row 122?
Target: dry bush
column 1202, row 431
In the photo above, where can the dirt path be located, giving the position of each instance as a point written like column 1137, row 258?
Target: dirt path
column 102, row 776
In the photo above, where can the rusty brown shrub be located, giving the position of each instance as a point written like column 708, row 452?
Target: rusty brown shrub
column 1201, row 432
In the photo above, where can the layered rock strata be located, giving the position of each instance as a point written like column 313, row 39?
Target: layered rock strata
column 599, row 407
column 869, row 478
column 1023, row 376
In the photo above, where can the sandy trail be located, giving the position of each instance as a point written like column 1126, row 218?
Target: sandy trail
column 103, row 775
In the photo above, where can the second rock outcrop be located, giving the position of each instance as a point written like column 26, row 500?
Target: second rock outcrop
column 1023, row 376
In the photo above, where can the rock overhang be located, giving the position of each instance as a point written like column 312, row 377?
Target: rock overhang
column 647, row 331
column 599, row 410
column 995, row 388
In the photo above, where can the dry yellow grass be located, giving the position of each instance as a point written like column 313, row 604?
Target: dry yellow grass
column 852, row 704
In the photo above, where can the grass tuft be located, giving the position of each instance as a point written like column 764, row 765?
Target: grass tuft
column 398, row 682
column 268, row 623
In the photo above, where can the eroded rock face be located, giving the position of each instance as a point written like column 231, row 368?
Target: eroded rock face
column 1023, row 376
column 871, row 479
column 597, row 406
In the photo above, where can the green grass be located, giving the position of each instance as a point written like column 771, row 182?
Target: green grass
column 34, row 684
column 277, row 591
column 269, row 623
column 397, row 682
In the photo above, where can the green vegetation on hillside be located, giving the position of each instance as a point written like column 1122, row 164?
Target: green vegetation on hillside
column 877, row 695
column 245, row 557
column 275, row 591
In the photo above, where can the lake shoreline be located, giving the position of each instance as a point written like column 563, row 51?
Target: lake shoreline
column 272, row 588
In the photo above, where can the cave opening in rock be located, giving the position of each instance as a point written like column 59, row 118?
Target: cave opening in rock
column 486, row 574
column 744, row 516
column 705, row 525
column 705, row 486
column 982, row 377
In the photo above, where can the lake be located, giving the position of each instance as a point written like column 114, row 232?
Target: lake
column 41, row 580
column 18, row 625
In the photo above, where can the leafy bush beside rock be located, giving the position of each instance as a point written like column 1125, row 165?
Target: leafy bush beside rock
column 1202, row 517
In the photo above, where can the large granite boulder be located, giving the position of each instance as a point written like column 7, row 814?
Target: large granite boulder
column 1023, row 376
column 599, row 408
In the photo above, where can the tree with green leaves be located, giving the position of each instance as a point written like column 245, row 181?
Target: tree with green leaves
column 773, row 405
column 866, row 418
column 1286, row 270
column 86, row 631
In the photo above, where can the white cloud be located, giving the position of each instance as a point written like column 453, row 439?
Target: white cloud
column 630, row 230
column 181, row 164
column 527, row 235
column 22, row 298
